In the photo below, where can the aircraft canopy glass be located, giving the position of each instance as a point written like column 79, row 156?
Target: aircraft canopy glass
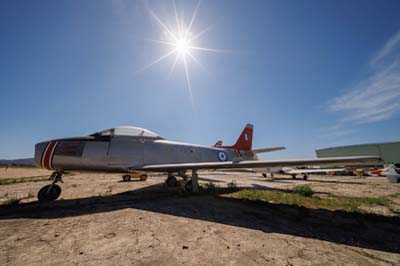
column 127, row 131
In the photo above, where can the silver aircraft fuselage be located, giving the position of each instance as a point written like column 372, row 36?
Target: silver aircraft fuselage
column 119, row 153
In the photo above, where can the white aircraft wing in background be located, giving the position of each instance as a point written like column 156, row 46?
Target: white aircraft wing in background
column 312, row 171
column 258, row 164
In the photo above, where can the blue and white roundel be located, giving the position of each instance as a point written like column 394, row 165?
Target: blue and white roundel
column 222, row 156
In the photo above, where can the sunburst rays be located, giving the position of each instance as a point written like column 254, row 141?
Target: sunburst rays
column 180, row 40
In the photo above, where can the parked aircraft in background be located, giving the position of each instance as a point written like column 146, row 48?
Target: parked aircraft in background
column 128, row 149
column 375, row 172
column 390, row 171
column 294, row 171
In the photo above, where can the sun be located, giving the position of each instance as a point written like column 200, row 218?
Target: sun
column 181, row 41
column 182, row 46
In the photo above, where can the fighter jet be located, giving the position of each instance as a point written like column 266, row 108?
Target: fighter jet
column 127, row 149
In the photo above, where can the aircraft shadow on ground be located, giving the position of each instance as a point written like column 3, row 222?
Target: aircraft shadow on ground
column 352, row 229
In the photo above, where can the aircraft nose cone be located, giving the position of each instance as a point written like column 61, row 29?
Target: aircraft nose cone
column 39, row 150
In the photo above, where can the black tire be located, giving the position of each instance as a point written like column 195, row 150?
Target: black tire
column 189, row 186
column 293, row 176
column 264, row 174
column 143, row 177
column 46, row 195
column 305, row 177
column 126, row 178
column 171, row 181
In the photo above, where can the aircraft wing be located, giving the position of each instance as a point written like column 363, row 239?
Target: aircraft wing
column 258, row 163
column 310, row 171
column 268, row 149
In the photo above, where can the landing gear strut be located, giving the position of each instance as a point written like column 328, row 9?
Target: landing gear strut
column 51, row 192
column 193, row 184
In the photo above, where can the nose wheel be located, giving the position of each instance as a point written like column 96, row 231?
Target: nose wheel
column 51, row 192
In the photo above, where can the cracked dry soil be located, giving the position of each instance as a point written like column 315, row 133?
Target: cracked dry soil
column 142, row 223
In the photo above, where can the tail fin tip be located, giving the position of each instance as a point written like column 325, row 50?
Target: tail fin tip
column 245, row 139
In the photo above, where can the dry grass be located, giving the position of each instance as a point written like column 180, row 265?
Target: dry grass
column 12, row 201
column 9, row 181
column 331, row 202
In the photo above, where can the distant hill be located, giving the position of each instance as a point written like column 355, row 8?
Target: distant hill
column 19, row 162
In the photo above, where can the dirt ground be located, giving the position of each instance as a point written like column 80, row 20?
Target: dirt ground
column 17, row 172
column 100, row 220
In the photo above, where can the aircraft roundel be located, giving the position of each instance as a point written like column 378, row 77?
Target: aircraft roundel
column 222, row 156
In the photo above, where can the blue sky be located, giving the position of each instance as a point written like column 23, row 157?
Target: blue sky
column 307, row 74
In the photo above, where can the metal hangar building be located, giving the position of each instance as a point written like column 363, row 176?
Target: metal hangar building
column 388, row 151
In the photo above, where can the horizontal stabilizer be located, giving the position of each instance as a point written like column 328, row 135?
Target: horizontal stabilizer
column 268, row 149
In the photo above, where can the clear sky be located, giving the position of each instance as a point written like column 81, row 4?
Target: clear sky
column 307, row 74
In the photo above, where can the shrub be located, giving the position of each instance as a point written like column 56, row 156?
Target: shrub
column 304, row 190
column 12, row 201
column 209, row 186
column 232, row 185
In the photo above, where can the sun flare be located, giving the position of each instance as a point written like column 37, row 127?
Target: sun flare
column 181, row 41
column 182, row 46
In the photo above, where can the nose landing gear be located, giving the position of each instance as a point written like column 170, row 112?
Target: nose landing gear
column 51, row 192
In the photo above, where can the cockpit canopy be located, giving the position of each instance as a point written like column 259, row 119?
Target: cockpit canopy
column 126, row 131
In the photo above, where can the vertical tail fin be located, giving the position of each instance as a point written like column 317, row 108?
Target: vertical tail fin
column 245, row 140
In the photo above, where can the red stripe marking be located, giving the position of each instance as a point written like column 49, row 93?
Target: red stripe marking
column 51, row 156
column 47, row 156
column 44, row 152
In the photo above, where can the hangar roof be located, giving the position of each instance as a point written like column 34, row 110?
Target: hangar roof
column 387, row 151
column 358, row 145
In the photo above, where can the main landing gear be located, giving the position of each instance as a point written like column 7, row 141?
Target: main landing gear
column 171, row 181
column 51, row 192
column 305, row 176
column 266, row 175
column 191, row 185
